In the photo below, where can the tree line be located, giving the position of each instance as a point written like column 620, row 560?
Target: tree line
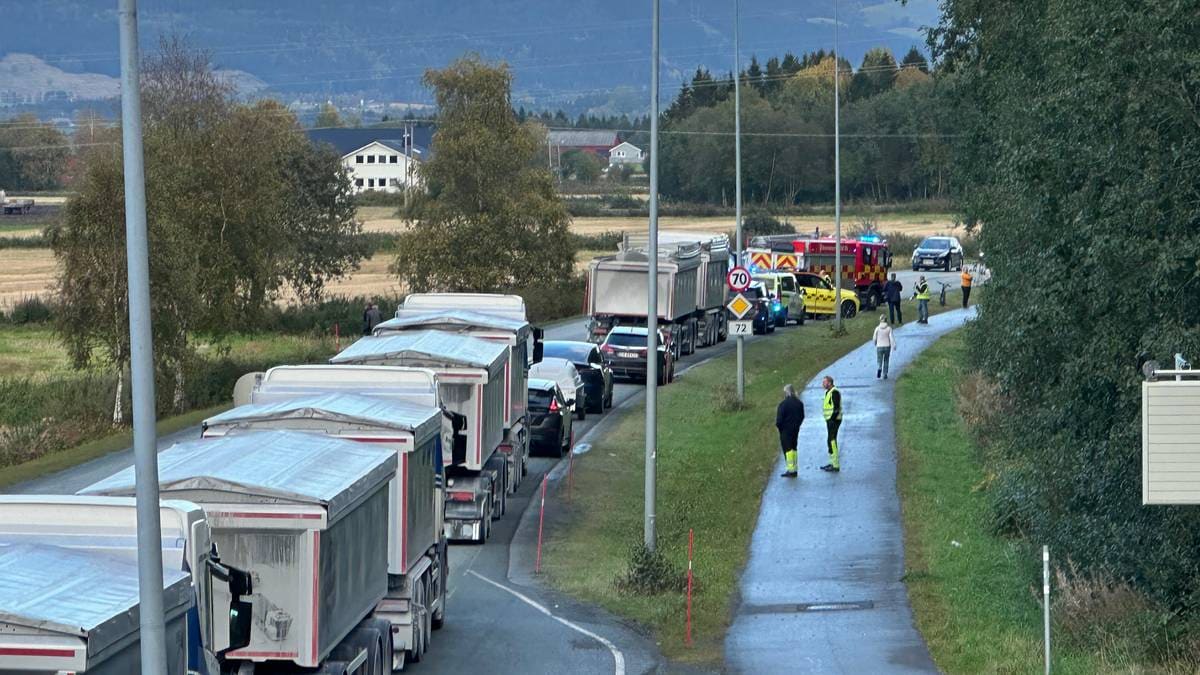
column 33, row 154
column 1077, row 150
column 893, row 135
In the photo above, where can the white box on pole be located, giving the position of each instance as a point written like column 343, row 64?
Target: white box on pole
column 1171, row 438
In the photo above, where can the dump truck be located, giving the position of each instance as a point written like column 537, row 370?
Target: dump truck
column 489, row 317
column 470, row 375
column 93, row 544
column 617, row 294
column 417, row 556
column 712, row 290
column 75, row 611
column 306, row 517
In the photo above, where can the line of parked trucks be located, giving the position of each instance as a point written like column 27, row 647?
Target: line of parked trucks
column 306, row 530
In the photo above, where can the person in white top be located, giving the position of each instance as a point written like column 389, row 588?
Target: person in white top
column 885, row 342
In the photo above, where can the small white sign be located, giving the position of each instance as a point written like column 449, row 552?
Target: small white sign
column 741, row 327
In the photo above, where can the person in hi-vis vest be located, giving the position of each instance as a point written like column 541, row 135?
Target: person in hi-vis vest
column 833, row 419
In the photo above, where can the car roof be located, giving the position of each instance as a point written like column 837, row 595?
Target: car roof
column 574, row 350
column 628, row 330
column 539, row 383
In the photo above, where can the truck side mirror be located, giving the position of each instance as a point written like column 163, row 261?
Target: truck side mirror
column 241, row 612
column 538, row 336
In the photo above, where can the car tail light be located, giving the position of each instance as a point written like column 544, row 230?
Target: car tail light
column 607, row 349
column 553, row 405
column 459, row 496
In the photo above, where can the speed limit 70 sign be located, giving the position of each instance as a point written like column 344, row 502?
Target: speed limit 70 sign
column 738, row 279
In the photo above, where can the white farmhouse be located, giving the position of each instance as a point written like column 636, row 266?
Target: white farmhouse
column 383, row 159
column 625, row 153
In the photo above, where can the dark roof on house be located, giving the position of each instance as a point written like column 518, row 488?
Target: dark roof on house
column 346, row 141
column 583, row 138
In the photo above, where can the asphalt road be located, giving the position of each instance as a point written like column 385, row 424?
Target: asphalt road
column 499, row 618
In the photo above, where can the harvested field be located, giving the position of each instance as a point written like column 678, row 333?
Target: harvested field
column 25, row 272
column 380, row 219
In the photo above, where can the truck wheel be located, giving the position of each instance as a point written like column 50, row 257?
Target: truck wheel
column 420, row 610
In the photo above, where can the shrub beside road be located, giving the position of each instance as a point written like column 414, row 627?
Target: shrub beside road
column 975, row 595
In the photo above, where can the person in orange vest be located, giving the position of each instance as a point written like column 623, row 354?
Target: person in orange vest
column 966, row 285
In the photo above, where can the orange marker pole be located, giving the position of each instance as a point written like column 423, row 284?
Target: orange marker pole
column 689, row 587
column 537, row 565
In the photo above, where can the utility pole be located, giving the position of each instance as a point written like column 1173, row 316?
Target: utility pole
column 737, row 181
column 141, row 355
column 837, row 177
column 652, row 298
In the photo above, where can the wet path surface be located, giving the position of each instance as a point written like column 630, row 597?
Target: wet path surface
column 822, row 591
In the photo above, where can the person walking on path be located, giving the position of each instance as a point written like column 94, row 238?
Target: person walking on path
column 966, row 285
column 885, row 343
column 788, row 418
column 922, row 296
column 833, row 420
column 891, row 293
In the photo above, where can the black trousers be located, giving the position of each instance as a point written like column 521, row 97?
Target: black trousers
column 831, row 432
column 894, row 314
column 787, row 438
column 966, row 295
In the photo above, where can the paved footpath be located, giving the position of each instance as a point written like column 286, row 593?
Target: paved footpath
column 822, row 591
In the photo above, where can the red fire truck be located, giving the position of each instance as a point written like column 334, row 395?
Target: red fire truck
column 865, row 260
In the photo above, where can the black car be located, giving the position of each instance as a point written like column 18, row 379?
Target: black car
column 938, row 252
column 597, row 376
column 624, row 350
column 550, row 418
column 761, row 315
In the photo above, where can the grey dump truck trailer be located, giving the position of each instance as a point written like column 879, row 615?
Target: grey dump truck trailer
column 306, row 517
column 69, row 587
column 417, row 555
column 691, row 289
column 471, row 384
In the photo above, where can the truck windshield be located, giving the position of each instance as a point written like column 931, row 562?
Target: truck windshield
column 626, row 340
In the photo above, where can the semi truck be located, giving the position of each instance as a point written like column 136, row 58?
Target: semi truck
column 417, row 556
column 617, row 294
column 470, row 375
column 486, row 316
column 306, row 517
column 53, row 545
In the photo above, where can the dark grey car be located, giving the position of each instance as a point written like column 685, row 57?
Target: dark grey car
column 550, row 420
column 597, row 375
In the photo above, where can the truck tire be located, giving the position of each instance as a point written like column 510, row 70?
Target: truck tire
column 420, row 610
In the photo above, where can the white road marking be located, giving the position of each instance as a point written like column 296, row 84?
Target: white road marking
column 618, row 657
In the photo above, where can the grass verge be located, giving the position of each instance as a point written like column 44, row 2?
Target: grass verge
column 65, row 459
column 713, row 464
column 975, row 595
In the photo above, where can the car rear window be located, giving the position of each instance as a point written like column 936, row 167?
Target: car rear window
column 539, row 399
column 936, row 244
column 626, row 340
column 575, row 353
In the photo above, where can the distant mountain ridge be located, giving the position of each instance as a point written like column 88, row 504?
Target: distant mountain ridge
column 584, row 55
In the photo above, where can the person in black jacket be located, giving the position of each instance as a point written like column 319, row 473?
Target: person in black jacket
column 788, row 418
column 891, row 293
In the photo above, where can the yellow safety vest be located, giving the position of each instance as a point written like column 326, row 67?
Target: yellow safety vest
column 828, row 408
column 922, row 291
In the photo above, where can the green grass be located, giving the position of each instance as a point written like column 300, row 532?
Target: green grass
column 65, row 459
column 712, row 468
column 27, row 351
column 976, row 602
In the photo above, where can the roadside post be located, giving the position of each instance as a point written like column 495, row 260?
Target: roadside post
column 737, row 181
column 537, row 564
column 1046, row 602
column 652, row 299
column 337, row 338
column 153, row 646
column 691, row 540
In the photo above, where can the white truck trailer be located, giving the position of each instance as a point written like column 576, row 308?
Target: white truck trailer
column 617, row 294
column 489, row 317
column 306, row 517
column 470, row 374
column 417, row 562
column 100, row 530
column 68, row 610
